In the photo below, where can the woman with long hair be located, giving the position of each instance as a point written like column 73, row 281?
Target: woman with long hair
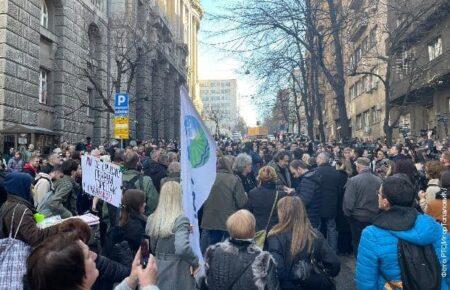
column 294, row 243
column 168, row 229
column 132, row 219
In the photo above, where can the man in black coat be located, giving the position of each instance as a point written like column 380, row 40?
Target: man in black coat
column 330, row 187
column 155, row 169
column 308, row 190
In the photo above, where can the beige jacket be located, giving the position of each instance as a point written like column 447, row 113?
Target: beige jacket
column 43, row 185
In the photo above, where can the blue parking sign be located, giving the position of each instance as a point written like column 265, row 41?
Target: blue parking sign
column 121, row 104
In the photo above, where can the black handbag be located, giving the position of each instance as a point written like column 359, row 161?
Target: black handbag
column 310, row 273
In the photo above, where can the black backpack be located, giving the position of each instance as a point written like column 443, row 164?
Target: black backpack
column 131, row 184
column 419, row 266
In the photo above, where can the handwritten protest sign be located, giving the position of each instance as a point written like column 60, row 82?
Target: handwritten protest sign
column 102, row 179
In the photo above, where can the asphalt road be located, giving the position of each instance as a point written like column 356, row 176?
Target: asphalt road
column 345, row 279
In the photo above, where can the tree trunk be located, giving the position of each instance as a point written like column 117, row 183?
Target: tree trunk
column 339, row 84
column 320, row 119
column 388, row 128
column 317, row 96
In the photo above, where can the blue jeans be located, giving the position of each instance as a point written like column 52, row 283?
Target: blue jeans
column 211, row 237
column 328, row 229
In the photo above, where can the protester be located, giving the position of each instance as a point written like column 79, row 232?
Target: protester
column 63, row 201
column 17, row 212
column 262, row 199
column 292, row 243
column 445, row 160
column 65, row 263
column 377, row 264
column 238, row 263
column 308, row 190
column 44, row 183
column 226, row 197
column 331, row 184
column 281, row 165
column 32, row 167
column 138, row 181
column 360, row 203
column 168, row 229
column 342, row 224
column 132, row 218
column 27, row 154
column 173, row 173
column 154, row 169
column 406, row 167
column 438, row 206
column 242, row 167
column 433, row 171
column 15, row 164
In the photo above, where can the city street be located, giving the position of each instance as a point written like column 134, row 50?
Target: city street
column 203, row 144
column 345, row 279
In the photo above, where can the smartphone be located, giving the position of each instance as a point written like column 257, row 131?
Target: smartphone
column 145, row 250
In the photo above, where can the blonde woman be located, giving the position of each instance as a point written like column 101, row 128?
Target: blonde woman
column 168, row 229
column 293, row 242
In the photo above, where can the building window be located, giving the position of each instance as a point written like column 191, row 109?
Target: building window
column 435, row 48
column 91, row 103
column 366, row 84
column 43, row 85
column 373, row 37
column 366, row 119
column 358, row 54
column 358, row 122
column 44, row 14
column 374, row 79
column 350, row 92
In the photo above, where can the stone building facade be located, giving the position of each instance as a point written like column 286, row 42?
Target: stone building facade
column 423, row 74
column 365, row 43
column 44, row 46
column 54, row 71
column 418, row 76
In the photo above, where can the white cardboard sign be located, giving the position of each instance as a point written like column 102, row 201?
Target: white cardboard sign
column 102, row 179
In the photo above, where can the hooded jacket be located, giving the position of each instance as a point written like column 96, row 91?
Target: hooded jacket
column 19, row 198
column 377, row 252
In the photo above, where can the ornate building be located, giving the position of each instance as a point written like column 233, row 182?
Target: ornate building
column 184, row 17
column 59, row 64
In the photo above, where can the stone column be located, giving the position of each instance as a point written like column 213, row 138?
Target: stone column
column 140, row 99
column 158, row 84
column 176, row 108
column 169, row 105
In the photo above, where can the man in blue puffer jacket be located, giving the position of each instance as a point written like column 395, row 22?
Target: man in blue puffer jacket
column 377, row 253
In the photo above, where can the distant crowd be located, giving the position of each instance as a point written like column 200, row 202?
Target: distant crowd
column 280, row 215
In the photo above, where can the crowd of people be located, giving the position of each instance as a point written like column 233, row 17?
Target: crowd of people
column 279, row 216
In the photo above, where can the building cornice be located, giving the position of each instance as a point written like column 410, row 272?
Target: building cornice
column 198, row 7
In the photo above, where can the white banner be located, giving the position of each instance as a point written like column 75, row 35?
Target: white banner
column 198, row 164
column 102, row 179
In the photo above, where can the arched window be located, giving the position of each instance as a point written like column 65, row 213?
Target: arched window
column 44, row 14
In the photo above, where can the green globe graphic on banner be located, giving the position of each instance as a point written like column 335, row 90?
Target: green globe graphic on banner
column 197, row 142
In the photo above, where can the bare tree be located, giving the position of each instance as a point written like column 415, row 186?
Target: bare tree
column 396, row 60
column 267, row 26
column 217, row 116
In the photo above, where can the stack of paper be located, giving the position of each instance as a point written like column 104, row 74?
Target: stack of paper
column 88, row 218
